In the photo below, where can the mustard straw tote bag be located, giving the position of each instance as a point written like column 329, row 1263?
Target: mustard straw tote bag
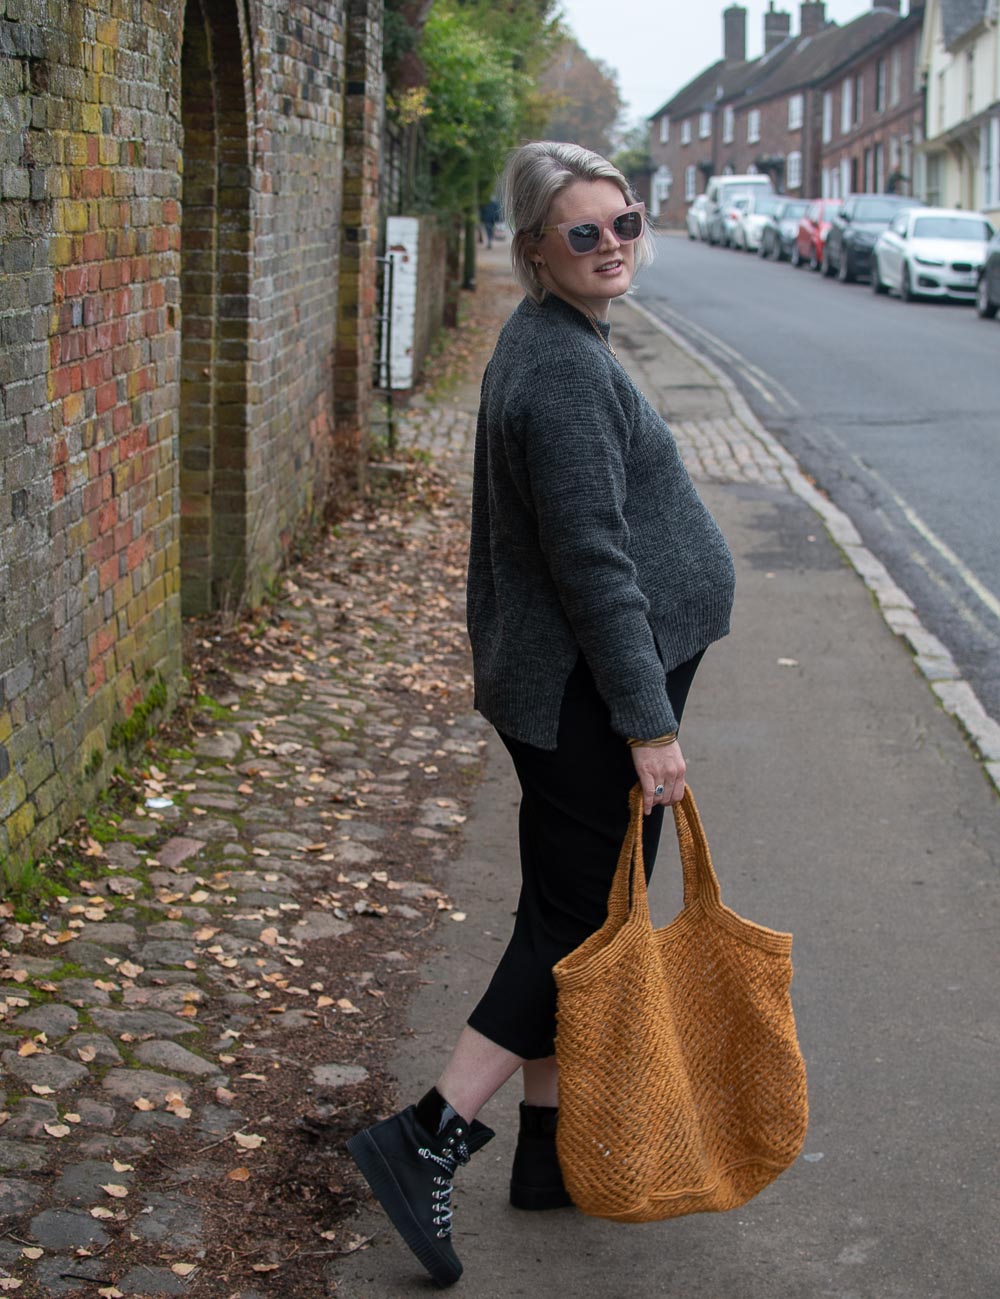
column 682, row 1088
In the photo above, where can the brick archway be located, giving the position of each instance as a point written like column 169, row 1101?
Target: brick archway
column 215, row 307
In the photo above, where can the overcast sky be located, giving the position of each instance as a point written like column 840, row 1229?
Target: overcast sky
column 657, row 46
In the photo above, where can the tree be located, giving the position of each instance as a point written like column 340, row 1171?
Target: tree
column 585, row 102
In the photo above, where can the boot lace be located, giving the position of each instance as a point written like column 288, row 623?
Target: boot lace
column 454, row 1154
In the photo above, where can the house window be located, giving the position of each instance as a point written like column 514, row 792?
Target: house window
column 846, row 105
column 728, row 125
column 896, row 78
column 879, row 169
column 845, row 178
column 828, row 117
column 880, row 73
column 662, row 181
column 753, row 126
column 704, row 126
column 686, row 131
column 664, row 129
column 933, row 181
column 690, row 182
column 970, row 82
column 990, row 151
column 795, row 107
column 793, row 171
column 940, row 101
column 859, row 96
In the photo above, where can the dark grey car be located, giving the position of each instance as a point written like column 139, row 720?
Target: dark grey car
column 988, row 290
column 854, row 229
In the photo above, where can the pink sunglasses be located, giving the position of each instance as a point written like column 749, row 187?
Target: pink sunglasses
column 583, row 237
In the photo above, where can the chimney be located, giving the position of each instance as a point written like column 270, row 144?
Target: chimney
column 812, row 18
column 777, row 27
column 734, row 28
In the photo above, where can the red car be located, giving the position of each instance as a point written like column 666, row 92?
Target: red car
column 808, row 246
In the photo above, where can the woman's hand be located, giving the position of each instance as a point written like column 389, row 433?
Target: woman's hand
column 659, row 765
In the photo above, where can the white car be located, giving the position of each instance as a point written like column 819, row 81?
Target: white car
column 697, row 218
column 931, row 252
column 752, row 220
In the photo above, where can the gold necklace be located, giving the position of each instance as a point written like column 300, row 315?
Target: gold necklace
column 600, row 334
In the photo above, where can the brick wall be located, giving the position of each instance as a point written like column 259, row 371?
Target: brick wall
column 170, row 201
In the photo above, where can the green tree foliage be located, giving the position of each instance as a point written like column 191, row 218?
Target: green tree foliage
column 584, row 96
column 633, row 159
column 481, row 99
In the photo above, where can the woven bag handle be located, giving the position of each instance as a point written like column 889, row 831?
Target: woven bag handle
column 628, row 889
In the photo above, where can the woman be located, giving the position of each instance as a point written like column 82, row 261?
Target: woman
column 597, row 579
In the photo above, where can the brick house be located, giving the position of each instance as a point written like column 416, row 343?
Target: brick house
column 188, row 224
column 872, row 113
column 686, row 133
column 779, row 126
column 772, row 114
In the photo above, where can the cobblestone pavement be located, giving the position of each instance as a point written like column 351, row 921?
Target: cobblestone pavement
column 235, row 948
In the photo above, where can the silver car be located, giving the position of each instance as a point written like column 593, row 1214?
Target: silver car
column 753, row 219
column 931, row 252
column 697, row 218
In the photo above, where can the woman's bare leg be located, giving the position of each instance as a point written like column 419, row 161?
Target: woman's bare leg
column 541, row 1082
column 477, row 1069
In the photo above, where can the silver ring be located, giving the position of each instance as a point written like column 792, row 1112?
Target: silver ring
column 658, row 791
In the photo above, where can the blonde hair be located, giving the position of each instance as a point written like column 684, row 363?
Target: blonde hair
column 534, row 175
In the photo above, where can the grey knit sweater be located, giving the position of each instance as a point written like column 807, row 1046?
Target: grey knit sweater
column 587, row 536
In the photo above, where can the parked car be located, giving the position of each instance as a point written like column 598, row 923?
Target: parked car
column 932, row 252
column 781, row 228
column 753, row 219
column 988, row 289
column 732, row 215
column 808, row 245
column 720, row 192
column 697, row 218
column 847, row 252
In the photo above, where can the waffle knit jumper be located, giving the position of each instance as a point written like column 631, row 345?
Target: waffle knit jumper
column 587, row 536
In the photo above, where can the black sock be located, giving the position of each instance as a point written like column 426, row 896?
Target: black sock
column 434, row 1113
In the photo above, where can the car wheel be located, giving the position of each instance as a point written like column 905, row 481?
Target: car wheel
column 844, row 270
column 796, row 257
column 690, row 235
column 877, row 286
column 825, row 265
column 984, row 305
column 762, row 250
column 906, row 286
column 814, row 262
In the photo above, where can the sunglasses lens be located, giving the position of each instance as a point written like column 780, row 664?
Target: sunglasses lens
column 584, row 238
column 628, row 226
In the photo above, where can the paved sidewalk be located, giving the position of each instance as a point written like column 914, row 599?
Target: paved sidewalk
column 202, row 1021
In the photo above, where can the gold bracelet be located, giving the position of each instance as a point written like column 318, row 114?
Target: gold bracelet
column 660, row 742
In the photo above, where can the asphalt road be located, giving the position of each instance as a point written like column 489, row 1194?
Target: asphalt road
column 894, row 409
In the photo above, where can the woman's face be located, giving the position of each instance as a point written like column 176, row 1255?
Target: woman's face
column 591, row 281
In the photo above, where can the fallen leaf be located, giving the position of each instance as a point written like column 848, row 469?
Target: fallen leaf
column 4, row 1116
column 99, row 1211
column 19, row 976
column 12, row 1283
column 238, row 1175
column 87, row 1053
column 114, row 1190
column 131, row 970
column 458, row 915
column 254, row 1077
column 72, row 1118
column 788, row 663
column 143, row 1104
column 248, row 1140
column 32, row 1251
column 324, row 1001
column 93, row 848
column 56, row 1129
column 28, row 1048
column 348, row 1007
column 111, row 1292
column 183, row 1269
column 269, row 936
column 43, row 1089
column 122, row 1168
column 257, row 1267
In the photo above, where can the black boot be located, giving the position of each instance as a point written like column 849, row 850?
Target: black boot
column 536, row 1180
column 410, row 1172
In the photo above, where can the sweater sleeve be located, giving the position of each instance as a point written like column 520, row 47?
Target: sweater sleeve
column 576, row 431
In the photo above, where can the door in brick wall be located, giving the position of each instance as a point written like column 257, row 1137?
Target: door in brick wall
column 215, row 302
